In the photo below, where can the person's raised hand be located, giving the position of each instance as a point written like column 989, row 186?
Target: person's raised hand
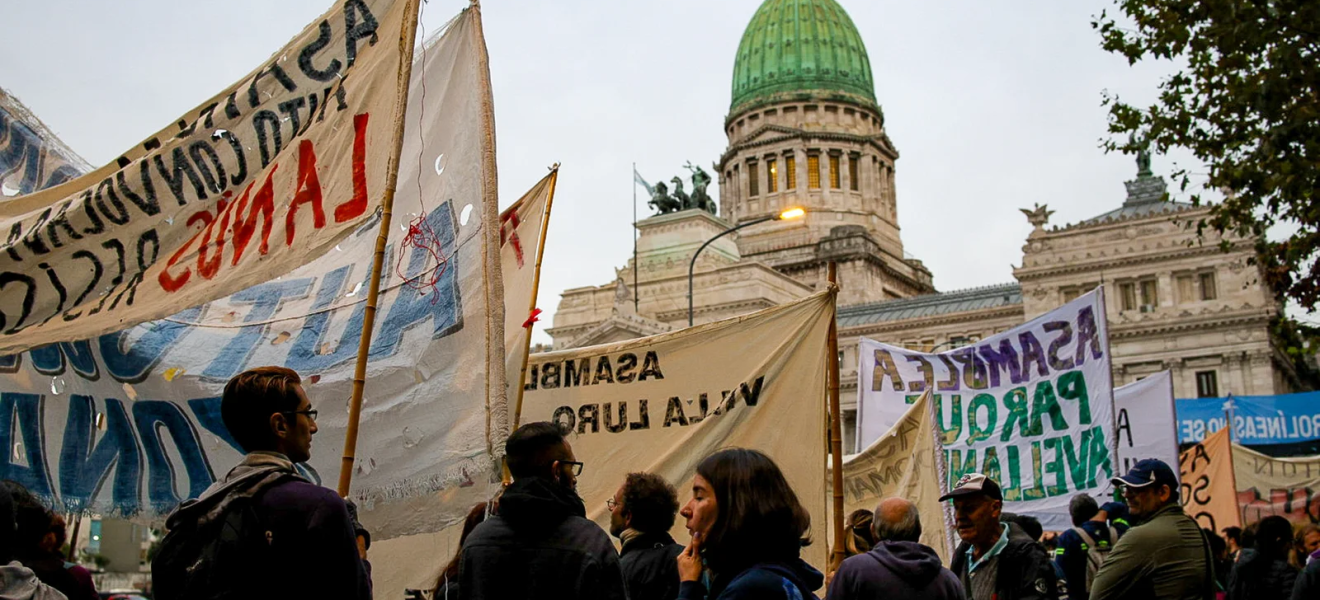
column 689, row 561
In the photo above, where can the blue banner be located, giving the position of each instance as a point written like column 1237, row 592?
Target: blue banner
column 1283, row 419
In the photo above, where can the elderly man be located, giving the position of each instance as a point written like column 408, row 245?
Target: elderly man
column 1164, row 555
column 996, row 560
column 898, row 567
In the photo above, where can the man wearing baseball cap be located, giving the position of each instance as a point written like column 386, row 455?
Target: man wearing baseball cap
column 1164, row 555
column 996, row 560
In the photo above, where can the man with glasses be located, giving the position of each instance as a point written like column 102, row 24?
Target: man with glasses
column 263, row 530
column 1164, row 555
column 641, row 514
column 539, row 543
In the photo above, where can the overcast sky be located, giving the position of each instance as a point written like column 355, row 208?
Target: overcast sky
column 994, row 106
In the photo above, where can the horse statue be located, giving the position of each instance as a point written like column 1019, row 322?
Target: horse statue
column 661, row 201
column 683, row 199
column 700, row 179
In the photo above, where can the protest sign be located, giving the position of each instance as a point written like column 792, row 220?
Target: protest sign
column 1257, row 420
column 903, row 463
column 1206, row 472
column 266, row 175
column 1031, row 407
column 661, row 404
column 1145, row 421
column 128, row 424
column 1287, row 487
column 32, row 158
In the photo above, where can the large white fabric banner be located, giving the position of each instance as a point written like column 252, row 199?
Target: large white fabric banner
column 256, row 181
column 1031, row 407
column 128, row 424
column 1145, row 423
column 661, row 404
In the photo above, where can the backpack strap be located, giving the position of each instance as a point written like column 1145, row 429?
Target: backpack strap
column 1086, row 537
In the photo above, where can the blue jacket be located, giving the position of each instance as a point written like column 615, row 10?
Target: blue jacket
column 895, row 571
column 766, row 581
column 1071, row 555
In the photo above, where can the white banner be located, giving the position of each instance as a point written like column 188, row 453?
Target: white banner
column 661, row 404
column 1032, row 407
column 1145, row 424
column 128, row 424
column 269, row 173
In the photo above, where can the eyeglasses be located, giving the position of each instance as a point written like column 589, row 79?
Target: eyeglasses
column 574, row 466
column 610, row 503
column 311, row 413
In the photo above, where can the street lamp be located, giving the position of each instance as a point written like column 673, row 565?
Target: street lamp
column 791, row 213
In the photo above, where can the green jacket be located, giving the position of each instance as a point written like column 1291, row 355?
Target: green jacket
column 1165, row 557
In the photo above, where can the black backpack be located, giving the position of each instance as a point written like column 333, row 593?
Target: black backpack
column 220, row 558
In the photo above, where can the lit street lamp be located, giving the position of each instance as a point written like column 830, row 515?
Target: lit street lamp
column 792, row 213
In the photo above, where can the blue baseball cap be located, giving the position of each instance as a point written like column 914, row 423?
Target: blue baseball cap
column 1148, row 472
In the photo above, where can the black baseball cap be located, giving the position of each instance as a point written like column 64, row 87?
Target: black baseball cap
column 975, row 483
column 1150, row 471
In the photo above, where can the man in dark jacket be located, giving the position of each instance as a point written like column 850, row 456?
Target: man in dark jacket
column 641, row 514
column 540, row 544
column 1090, row 534
column 898, row 567
column 1164, row 554
column 996, row 560
column 307, row 546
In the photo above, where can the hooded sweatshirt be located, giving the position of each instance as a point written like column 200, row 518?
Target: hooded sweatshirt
column 17, row 582
column 895, row 571
column 794, row 580
column 540, row 545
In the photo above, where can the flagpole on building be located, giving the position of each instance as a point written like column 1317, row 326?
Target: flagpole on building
column 1232, row 465
column 407, row 39
column 536, row 286
column 836, row 421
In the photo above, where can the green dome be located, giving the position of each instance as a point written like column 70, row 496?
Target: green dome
column 801, row 49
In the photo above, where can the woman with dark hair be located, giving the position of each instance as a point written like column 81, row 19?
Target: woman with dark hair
column 446, row 587
column 1263, row 571
column 748, row 529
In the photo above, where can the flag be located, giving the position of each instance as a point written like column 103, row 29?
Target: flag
column 1206, row 472
column 521, row 230
column 637, row 179
column 903, row 463
column 33, row 158
column 1276, row 486
column 1031, row 408
column 266, row 175
column 128, row 424
column 1145, row 422
column 661, row 404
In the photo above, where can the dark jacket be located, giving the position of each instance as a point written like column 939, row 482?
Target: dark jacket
column 767, row 581
column 539, row 545
column 310, row 530
column 1255, row 577
column 650, row 566
column 1308, row 582
column 1072, row 555
column 895, row 571
column 1163, row 557
column 49, row 568
column 1025, row 571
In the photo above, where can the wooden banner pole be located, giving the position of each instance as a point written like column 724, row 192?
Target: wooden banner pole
column 836, row 423
column 407, row 39
column 536, row 286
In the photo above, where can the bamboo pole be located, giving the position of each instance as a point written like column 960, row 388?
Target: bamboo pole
column 536, row 286
column 407, row 39
column 836, row 423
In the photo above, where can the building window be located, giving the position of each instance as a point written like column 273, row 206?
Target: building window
column 771, row 176
column 790, row 172
column 1149, row 294
column 834, row 171
column 1070, row 295
column 753, row 179
column 1208, row 291
column 813, row 171
column 1186, row 288
column 1128, row 293
column 1207, row 384
column 852, row 173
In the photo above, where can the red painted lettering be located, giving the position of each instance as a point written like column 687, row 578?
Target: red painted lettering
column 207, row 268
column 262, row 204
column 358, row 204
column 309, row 192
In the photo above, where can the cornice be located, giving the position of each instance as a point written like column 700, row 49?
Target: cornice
column 1103, row 262
column 937, row 320
column 880, row 141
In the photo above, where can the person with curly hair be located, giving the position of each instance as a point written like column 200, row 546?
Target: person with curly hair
column 641, row 513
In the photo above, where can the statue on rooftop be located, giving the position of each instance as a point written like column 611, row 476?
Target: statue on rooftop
column 661, row 201
column 700, row 180
column 680, row 195
column 1038, row 217
column 665, row 202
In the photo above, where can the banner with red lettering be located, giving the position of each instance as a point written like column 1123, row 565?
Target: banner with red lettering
column 1206, row 472
column 1287, row 487
column 256, row 181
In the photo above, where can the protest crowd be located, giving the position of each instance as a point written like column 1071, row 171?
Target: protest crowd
column 264, row 522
